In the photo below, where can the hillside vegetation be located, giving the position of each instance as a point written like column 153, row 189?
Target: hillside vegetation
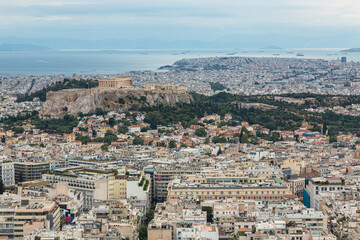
column 66, row 84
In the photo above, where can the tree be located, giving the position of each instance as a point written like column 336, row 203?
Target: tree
column 145, row 129
column 219, row 139
column 209, row 213
column 110, row 137
column 161, row 144
column 115, row 171
column 121, row 101
column 222, row 124
column 183, row 145
column 105, row 147
column 154, row 119
column 138, row 141
column 122, row 129
column 172, row 144
column 333, row 139
column 200, row 132
column 112, row 121
column 2, row 187
column 18, row 130
column 143, row 232
column 324, row 129
column 100, row 112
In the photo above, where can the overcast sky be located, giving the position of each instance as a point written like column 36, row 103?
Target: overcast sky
column 176, row 19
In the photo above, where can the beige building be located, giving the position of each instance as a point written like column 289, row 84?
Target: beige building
column 117, row 187
column 119, row 82
column 158, row 231
column 296, row 186
column 205, row 191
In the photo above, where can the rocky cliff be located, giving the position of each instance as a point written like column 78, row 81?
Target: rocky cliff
column 73, row 101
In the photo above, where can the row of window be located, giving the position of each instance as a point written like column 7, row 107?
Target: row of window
column 230, row 192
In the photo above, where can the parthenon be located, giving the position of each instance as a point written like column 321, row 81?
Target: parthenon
column 119, row 82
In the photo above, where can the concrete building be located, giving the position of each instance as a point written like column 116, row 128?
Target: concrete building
column 29, row 171
column 162, row 177
column 323, row 185
column 214, row 191
column 7, row 174
column 21, row 217
column 91, row 185
column 296, row 186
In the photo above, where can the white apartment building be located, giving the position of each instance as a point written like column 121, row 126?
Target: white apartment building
column 7, row 174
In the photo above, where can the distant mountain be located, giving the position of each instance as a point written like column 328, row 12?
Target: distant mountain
column 351, row 50
column 21, row 47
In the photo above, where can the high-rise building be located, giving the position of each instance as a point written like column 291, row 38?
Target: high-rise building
column 29, row 171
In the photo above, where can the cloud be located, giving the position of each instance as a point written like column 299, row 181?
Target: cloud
column 207, row 17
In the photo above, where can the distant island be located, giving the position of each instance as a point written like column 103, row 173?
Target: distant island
column 351, row 50
column 272, row 47
column 21, row 47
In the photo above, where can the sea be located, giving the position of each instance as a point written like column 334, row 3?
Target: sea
column 68, row 62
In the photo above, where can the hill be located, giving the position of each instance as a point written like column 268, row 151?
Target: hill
column 350, row 50
column 66, row 84
column 21, row 47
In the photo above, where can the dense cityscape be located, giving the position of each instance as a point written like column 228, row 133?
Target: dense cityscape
column 207, row 148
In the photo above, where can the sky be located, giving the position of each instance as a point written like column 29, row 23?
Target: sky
column 177, row 19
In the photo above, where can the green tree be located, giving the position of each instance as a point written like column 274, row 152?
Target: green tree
column 143, row 232
column 172, row 144
column 200, row 132
column 122, row 129
column 112, row 121
column 121, row 101
column 105, row 147
column 333, row 139
column 2, row 187
column 138, row 141
column 219, row 139
column 100, row 112
column 324, row 129
column 145, row 129
column 154, row 119
column 209, row 213
column 161, row 144
column 110, row 137
column 222, row 124
column 18, row 130
column 94, row 133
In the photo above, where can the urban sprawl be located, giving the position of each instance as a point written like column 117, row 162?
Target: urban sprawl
column 128, row 169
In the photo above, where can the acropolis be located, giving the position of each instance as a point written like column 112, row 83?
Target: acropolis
column 119, row 82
